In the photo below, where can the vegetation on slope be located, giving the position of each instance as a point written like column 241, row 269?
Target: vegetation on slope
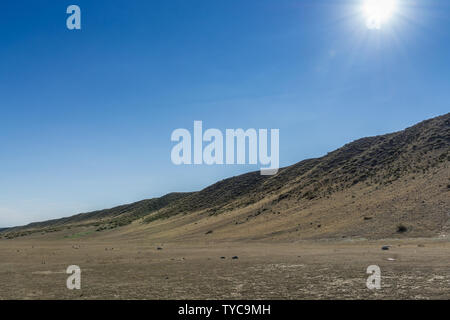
column 375, row 161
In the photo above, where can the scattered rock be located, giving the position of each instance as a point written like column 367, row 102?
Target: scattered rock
column 390, row 259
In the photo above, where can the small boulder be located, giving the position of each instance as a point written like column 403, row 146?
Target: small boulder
column 390, row 259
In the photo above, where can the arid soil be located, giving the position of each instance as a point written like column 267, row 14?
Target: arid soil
column 308, row 232
column 370, row 188
column 410, row 269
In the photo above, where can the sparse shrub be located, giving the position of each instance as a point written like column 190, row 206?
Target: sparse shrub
column 401, row 228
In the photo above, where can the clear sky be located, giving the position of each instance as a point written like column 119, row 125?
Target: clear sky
column 86, row 115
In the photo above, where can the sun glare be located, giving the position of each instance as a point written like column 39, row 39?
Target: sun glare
column 378, row 12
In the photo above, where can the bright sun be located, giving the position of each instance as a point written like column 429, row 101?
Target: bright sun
column 378, row 12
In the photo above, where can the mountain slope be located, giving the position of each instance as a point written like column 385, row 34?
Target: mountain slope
column 396, row 184
column 102, row 219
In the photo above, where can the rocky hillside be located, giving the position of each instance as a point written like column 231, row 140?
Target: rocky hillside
column 396, row 184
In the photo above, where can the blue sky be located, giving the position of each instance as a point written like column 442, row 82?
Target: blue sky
column 86, row 115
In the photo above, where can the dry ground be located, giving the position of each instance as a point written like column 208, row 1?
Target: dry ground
column 35, row 269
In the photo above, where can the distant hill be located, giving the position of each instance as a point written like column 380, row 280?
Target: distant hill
column 391, row 185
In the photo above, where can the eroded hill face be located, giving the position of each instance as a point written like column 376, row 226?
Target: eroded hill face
column 395, row 185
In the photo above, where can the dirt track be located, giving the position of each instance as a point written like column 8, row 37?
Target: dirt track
column 304, row 270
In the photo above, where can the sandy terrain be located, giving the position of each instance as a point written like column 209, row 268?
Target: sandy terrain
column 394, row 186
column 32, row 269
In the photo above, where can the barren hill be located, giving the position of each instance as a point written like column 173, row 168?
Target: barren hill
column 394, row 185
